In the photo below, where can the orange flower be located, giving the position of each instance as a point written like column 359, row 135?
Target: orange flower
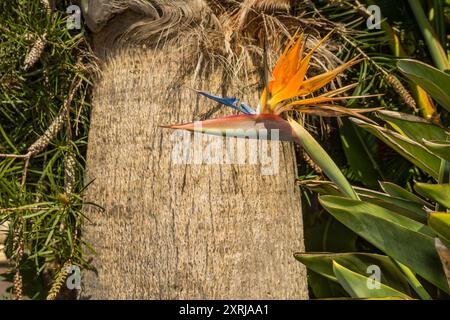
column 287, row 90
column 289, row 82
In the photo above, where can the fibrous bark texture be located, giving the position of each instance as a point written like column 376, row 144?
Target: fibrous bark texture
column 182, row 231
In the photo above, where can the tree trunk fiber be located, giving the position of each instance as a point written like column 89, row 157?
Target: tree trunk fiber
column 181, row 231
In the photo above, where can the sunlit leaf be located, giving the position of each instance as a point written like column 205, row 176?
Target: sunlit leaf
column 413, row 127
column 440, row 224
column 411, row 150
column 360, row 286
column 439, row 193
column 322, row 263
column 390, row 232
column 434, row 81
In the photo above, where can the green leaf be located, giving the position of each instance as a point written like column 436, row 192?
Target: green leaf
column 440, row 224
column 403, row 207
column 439, row 193
column 407, row 208
column 322, row 263
column 359, row 286
column 439, row 148
column 358, row 156
column 398, row 192
column 323, row 288
column 321, row 187
column 411, row 150
column 413, row 281
column 444, row 254
column 403, row 239
column 413, row 127
column 434, row 81
column 321, row 158
column 338, row 238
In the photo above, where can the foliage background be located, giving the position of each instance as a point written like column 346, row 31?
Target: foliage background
column 44, row 108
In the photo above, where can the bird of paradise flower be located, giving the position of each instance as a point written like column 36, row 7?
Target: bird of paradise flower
column 287, row 90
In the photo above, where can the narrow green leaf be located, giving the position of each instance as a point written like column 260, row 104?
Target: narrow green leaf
column 403, row 239
column 399, row 192
column 413, row 127
column 322, row 263
column 434, row 45
column 434, row 81
column 358, row 155
column 439, row 148
column 407, row 208
column 413, row 281
column 444, row 255
column 439, row 193
column 411, row 150
column 359, row 286
column 402, row 207
column 440, row 224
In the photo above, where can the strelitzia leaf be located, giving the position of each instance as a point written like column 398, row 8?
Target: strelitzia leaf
column 400, row 206
column 358, row 154
column 415, row 128
column 322, row 159
column 440, row 223
column 406, row 208
column 413, row 281
column 360, row 286
column 444, row 255
column 322, row 263
column 389, row 232
column 439, row 193
column 434, row 81
column 411, row 150
column 261, row 126
column 439, row 148
column 398, row 192
column 321, row 187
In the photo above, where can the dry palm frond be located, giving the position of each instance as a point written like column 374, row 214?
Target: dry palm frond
column 227, row 31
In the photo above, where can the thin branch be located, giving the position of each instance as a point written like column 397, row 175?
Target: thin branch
column 2, row 210
column 16, row 156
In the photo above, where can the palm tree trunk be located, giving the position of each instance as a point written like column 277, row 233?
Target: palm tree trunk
column 182, row 231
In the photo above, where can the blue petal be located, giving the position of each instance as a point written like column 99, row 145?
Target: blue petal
column 247, row 109
column 230, row 102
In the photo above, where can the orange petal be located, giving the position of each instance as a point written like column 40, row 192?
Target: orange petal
column 294, row 83
column 286, row 67
column 311, row 85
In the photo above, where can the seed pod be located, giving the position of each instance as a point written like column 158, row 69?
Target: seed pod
column 59, row 281
column 402, row 91
column 18, row 285
column 47, row 6
column 35, row 53
column 310, row 162
column 69, row 173
column 49, row 134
